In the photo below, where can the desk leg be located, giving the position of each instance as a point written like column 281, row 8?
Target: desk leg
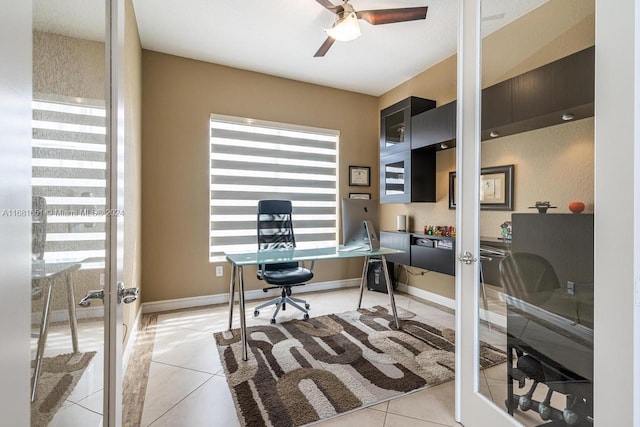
column 73, row 320
column 243, row 322
column 392, row 300
column 363, row 279
column 42, row 340
column 232, row 289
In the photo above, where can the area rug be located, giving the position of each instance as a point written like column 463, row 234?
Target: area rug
column 58, row 377
column 300, row 372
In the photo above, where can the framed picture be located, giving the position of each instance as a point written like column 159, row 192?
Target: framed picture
column 360, row 176
column 496, row 188
column 359, row 195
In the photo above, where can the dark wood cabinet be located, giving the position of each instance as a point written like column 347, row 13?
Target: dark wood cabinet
column 496, row 108
column 395, row 123
column 540, row 97
column 543, row 95
column 433, row 253
column 434, row 126
column 408, row 176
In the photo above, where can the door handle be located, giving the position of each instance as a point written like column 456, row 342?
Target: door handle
column 127, row 295
column 86, row 300
column 467, row 258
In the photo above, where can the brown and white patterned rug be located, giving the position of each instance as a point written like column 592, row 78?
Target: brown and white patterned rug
column 58, row 377
column 300, row 372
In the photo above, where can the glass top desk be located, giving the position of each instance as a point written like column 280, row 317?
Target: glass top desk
column 260, row 257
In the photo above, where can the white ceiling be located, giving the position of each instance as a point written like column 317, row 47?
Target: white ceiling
column 279, row 37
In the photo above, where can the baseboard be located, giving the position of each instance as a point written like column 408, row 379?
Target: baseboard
column 183, row 303
column 493, row 318
column 131, row 342
column 63, row 315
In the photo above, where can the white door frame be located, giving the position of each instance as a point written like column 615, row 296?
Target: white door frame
column 114, row 46
column 472, row 408
column 617, row 218
column 15, row 196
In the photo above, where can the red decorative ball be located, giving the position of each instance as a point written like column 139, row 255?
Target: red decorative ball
column 576, row 207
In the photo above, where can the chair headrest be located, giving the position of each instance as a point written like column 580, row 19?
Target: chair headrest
column 274, row 207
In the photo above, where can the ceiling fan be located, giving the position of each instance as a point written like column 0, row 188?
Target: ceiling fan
column 346, row 26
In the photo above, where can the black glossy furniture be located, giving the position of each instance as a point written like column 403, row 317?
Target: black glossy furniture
column 406, row 175
column 545, row 341
column 433, row 253
column 275, row 231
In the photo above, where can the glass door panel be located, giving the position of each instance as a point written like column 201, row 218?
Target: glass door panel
column 69, row 187
column 535, row 285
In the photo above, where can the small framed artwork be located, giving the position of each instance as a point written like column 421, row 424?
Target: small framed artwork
column 359, row 195
column 360, row 176
column 496, row 188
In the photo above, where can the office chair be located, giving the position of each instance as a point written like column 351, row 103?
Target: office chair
column 275, row 231
column 532, row 279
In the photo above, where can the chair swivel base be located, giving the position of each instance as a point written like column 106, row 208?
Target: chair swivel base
column 281, row 302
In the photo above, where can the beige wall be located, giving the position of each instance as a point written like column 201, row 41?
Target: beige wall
column 133, row 170
column 178, row 96
column 554, row 163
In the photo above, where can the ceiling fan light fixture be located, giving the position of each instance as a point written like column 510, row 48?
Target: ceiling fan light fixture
column 346, row 28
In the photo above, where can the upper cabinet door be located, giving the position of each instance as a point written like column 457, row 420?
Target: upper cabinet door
column 395, row 124
column 434, row 126
column 496, row 109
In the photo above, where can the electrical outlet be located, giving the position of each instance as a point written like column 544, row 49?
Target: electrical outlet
column 571, row 287
column 219, row 271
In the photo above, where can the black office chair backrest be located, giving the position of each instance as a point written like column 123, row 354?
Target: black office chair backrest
column 275, row 229
column 528, row 277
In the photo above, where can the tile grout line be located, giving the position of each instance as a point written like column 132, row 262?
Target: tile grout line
column 180, row 401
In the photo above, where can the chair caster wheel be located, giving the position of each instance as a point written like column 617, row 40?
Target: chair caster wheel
column 273, row 321
column 256, row 313
column 306, row 316
column 307, row 306
column 544, row 411
column 525, row 403
column 570, row 417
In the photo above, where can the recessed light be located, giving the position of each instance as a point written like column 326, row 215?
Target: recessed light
column 494, row 134
column 444, row 146
column 568, row 116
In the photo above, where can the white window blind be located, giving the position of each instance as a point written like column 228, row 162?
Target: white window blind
column 252, row 161
column 69, row 171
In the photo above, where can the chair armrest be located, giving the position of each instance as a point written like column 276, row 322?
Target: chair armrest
column 313, row 263
column 260, row 272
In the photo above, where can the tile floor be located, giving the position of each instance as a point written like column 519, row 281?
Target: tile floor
column 187, row 386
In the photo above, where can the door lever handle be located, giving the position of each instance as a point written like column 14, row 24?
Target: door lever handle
column 467, row 258
column 127, row 295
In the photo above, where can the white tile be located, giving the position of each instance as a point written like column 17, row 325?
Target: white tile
column 394, row 420
column 434, row 404
column 167, row 386
column 75, row 416
column 91, row 381
column 211, row 404
column 363, row 417
column 94, row 403
column 187, row 348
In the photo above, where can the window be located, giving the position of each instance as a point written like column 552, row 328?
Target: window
column 69, row 171
column 252, row 161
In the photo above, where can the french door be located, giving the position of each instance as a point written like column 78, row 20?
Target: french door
column 63, row 78
column 589, row 305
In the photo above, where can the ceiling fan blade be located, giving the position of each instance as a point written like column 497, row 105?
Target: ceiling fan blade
column 332, row 7
column 325, row 47
column 389, row 16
